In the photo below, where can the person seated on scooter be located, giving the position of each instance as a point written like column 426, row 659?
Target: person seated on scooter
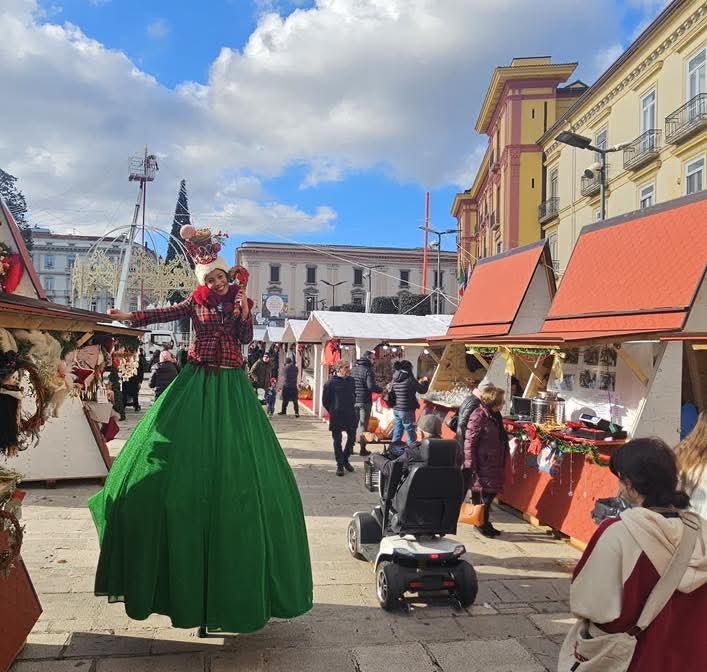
column 428, row 427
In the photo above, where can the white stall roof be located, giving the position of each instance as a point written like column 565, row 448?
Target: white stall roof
column 293, row 331
column 274, row 334
column 259, row 333
column 323, row 325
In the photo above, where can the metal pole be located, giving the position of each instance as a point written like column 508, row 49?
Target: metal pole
column 439, row 271
column 602, row 190
column 120, row 298
column 426, row 244
column 144, row 201
column 368, row 293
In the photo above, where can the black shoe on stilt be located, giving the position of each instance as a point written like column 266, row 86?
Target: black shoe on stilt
column 203, row 632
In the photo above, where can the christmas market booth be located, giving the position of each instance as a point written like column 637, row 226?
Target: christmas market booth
column 622, row 352
column 507, row 294
column 340, row 335
column 304, row 357
column 51, row 389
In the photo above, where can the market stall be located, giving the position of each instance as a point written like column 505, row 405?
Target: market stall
column 506, row 294
column 619, row 343
column 340, row 335
column 49, row 399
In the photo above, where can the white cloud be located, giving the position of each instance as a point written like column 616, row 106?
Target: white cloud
column 158, row 29
column 347, row 85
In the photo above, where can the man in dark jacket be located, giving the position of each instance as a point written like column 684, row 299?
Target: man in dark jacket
column 429, row 427
column 261, row 372
column 406, row 388
column 365, row 380
column 338, row 398
column 290, row 392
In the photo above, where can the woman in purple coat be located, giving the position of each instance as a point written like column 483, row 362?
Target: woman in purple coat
column 485, row 450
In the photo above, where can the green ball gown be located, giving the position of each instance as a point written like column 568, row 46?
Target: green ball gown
column 200, row 518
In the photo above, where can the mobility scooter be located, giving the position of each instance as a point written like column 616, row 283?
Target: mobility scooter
column 404, row 536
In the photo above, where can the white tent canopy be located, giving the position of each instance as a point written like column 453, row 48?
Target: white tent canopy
column 293, row 331
column 274, row 334
column 259, row 333
column 323, row 325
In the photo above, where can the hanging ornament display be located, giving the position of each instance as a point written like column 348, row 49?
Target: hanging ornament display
column 11, row 269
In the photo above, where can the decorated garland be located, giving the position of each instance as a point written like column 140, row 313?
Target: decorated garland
column 539, row 438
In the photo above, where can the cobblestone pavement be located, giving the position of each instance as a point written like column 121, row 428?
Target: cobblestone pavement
column 516, row 625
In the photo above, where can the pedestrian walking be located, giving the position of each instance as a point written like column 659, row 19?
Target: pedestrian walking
column 365, row 380
column 692, row 465
column 271, row 397
column 639, row 591
column 131, row 387
column 485, row 450
column 261, row 372
column 290, row 389
column 201, row 501
column 339, row 398
column 164, row 374
column 406, row 387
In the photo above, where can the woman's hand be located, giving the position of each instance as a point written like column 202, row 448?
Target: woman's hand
column 242, row 299
column 119, row 315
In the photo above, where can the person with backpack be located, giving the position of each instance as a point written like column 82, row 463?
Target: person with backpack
column 290, row 391
column 639, row 591
column 405, row 388
column 165, row 372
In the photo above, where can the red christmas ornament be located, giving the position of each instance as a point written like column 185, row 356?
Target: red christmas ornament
column 15, row 269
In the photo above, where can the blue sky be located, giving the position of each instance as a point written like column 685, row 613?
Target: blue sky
column 299, row 126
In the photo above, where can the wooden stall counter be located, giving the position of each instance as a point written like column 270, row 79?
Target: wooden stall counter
column 560, row 490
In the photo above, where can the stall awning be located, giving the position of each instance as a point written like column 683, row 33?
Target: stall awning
column 22, row 312
column 495, row 293
column 640, row 272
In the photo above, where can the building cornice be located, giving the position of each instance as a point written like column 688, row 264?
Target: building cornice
column 585, row 111
column 559, row 72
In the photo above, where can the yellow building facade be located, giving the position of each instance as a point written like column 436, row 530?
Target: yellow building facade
column 653, row 100
column 499, row 211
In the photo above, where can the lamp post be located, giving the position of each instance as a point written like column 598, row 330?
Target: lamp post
column 583, row 142
column 333, row 286
column 369, row 294
column 438, row 244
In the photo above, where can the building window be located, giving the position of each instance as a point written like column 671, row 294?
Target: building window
column 274, row 273
column 70, row 261
column 311, row 275
column 357, row 301
column 48, row 261
column 49, row 283
column 694, row 176
column 94, row 305
column 646, row 196
column 499, row 246
column 648, row 114
column 133, row 304
column 552, row 246
column 554, row 183
column 601, row 140
column 597, row 215
column 696, row 83
column 440, row 284
column 310, row 304
column 405, row 279
column 358, row 276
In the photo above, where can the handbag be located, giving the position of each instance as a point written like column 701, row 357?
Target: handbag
column 389, row 396
column 584, row 652
column 472, row 514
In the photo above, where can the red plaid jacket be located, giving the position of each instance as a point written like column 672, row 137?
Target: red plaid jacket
column 218, row 337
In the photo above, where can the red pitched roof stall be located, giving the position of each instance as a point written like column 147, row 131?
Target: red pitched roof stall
column 496, row 291
column 633, row 274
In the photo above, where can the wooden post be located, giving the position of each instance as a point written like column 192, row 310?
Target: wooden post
column 694, row 372
column 633, row 365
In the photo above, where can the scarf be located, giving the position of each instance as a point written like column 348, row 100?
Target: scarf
column 207, row 297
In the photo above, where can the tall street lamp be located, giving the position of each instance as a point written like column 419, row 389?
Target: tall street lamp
column 369, row 295
column 583, row 142
column 438, row 245
column 333, row 286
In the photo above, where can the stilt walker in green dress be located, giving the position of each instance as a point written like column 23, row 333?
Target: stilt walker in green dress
column 200, row 518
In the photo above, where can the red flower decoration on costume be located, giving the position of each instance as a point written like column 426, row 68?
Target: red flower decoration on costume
column 532, row 431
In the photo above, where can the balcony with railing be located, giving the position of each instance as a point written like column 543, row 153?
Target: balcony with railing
column 548, row 209
column 644, row 149
column 493, row 221
column 687, row 120
column 591, row 185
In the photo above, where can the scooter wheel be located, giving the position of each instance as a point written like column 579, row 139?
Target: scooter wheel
column 353, row 539
column 388, row 586
column 467, row 583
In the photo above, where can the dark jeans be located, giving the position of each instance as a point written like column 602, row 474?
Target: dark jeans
column 342, row 456
column 487, row 499
column 364, row 415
